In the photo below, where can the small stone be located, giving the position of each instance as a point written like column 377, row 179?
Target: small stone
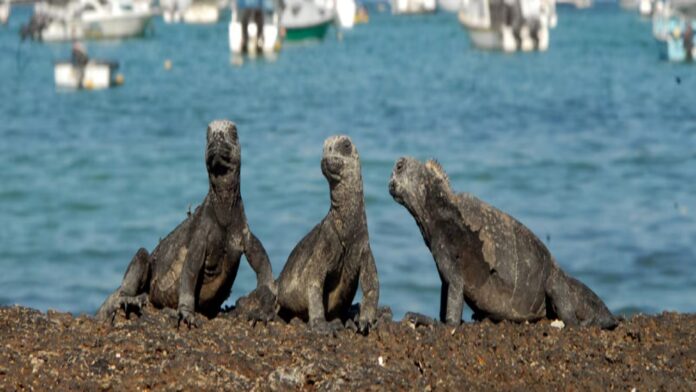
column 380, row 361
column 558, row 324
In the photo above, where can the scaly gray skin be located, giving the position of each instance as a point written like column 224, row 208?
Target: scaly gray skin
column 487, row 258
column 321, row 276
column 194, row 267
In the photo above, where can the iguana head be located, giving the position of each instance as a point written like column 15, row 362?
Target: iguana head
column 412, row 183
column 223, row 159
column 340, row 162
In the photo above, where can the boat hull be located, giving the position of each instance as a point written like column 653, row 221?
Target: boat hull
column 413, row 6
column 4, row 11
column 270, row 39
column 104, row 28
column 449, row 5
column 116, row 27
column 486, row 39
column 202, row 14
column 95, row 76
column 345, row 13
column 313, row 32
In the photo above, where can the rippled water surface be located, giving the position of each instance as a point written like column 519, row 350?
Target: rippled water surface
column 592, row 145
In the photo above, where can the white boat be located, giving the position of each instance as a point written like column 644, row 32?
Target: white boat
column 499, row 25
column 629, row 5
column 413, row 6
column 87, row 19
column 96, row 75
column 449, row 5
column 201, row 12
column 645, row 7
column 255, row 28
column 669, row 16
column 4, row 11
column 172, row 10
column 576, row 3
column 307, row 19
column 345, row 13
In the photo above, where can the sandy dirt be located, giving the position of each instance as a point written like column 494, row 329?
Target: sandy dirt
column 57, row 351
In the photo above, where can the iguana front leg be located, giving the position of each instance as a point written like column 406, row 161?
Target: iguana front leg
column 315, row 305
column 258, row 260
column 452, row 286
column 369, row 283
column 193, row 264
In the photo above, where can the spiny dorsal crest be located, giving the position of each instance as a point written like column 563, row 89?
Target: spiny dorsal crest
column 435, row 167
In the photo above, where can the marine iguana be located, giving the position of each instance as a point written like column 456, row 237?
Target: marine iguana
column 487, row 258
column 321, row 276
column 193, row 268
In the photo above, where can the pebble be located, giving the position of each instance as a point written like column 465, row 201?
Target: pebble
column 558, row 324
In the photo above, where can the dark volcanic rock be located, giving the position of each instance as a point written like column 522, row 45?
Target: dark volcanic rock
column 57, row 351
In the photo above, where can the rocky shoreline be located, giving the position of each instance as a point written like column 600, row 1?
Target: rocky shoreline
column 41, row 351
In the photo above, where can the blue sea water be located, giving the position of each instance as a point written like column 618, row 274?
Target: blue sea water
column 592, row 145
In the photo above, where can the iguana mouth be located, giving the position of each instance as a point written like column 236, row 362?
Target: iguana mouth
column 332, row 166
column 394, row 192
column 219, row 164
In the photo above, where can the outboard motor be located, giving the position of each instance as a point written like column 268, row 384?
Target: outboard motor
column 33, row 29
column 252, row 30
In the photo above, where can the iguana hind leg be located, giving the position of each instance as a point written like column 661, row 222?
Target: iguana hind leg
column 132, row 294
column 576, row 304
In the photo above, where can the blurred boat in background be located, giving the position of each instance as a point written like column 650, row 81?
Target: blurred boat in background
column 4, row 11
column 172, row 10
column 680, row 43
column 96, row 75
column 413, row 6
column 575, row 3
column 192, row 11
column 255, row 27
column 673, row 23
column 449, row 5
column 629, row 5
column 645, row 7
column 669, row 15
column 306, row 19
column 509, row 26
column 201, row 12
column 345, row 13
column 66, row 20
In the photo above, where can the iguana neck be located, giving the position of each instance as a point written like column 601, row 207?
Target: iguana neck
column 348, row 208
column 436, row 211
column 223, row 205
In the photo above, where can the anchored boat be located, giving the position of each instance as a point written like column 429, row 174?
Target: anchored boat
column 680, row 44
column 674, row 23
column 61, row 20
column 345, row 13
column 96, row 75
column 255, row 27
column 306, row 19
column 498, row 25
column 449, row 5
column 413, row 6
column 202, row 12
column 4, row 11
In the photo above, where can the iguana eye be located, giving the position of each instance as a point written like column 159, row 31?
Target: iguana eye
column 345, row 147
column 400, row 165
